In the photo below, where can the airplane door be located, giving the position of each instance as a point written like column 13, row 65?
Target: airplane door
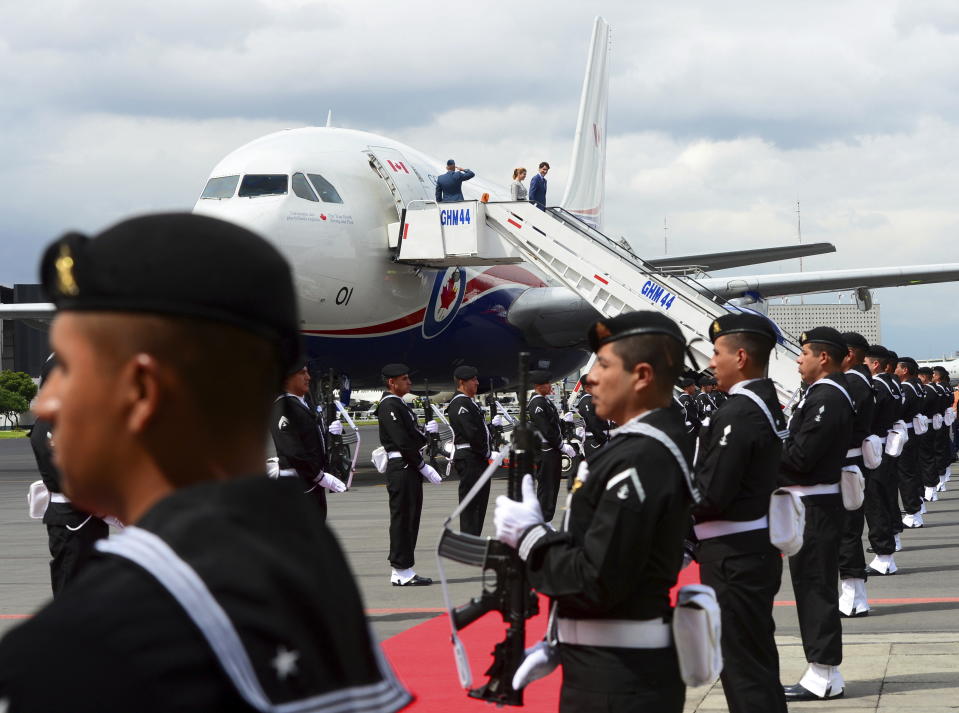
column 403, row 180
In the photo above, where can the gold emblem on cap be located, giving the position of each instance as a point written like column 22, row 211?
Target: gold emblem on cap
column 602, row 331
column 802, row 337
column 66, row 283
column 716, row 326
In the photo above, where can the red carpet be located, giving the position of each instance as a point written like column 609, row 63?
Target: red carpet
column 423, row 659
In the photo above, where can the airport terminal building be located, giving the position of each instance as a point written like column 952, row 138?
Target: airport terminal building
column 795, row 319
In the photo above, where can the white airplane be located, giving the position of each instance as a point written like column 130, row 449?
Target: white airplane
column 326, row 196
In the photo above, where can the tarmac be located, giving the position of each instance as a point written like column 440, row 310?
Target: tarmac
column 903, row 657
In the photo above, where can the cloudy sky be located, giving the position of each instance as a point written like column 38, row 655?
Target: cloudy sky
column 721, row 115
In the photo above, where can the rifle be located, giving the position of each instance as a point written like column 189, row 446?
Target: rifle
column 511, row 594
column 338, row 460
column 432, row 439
column 493, row 406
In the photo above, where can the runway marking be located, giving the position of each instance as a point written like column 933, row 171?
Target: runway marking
column 895, row 600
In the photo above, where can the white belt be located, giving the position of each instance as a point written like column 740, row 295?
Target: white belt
column 461, row 446
column 287, row 472
column 883, row 440
column 394, row 454
column 854, row 453
column 820, row 489
column 59, row 498
column 617, row 633
column 718, row 528
column 909, row 425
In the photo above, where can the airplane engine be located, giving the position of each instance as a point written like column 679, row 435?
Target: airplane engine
column 863, row 299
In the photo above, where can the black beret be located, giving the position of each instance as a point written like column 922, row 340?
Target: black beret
column 855, row 340
column 685, row 383
column 893, row 356
column 908, row 360
column 877, row 351
column 539, row 376
column 631, row 324
column 297, row 364
column 925, row 370
column 742, row 323
column 941, row 369
column 824, row 335
column 465, row 372
column 391, row 371
column 178, row 265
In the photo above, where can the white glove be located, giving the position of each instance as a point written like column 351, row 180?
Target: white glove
column 432, row 427
column 429, row 473
column 273, row 467
column 449, row 448
column 336, row 428
column 331, row 483
column 513, row 518
column 540, row 660
column 498, row 420
column 581, row 433
column 568, row 450
column 568, row 417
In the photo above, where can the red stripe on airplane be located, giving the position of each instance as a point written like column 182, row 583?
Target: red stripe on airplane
column 410, row 320
column 406, row 230
column 605, row 282
column 513, row 222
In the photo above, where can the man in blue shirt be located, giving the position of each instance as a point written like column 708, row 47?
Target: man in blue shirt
column 449, row 185
column 537, row 187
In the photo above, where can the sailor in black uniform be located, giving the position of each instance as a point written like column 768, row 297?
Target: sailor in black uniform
column 687, row 400
column 71, row 533
column 545, row 421
column 889, row 414
column 882, row 494
column 736, row 468
column 597, row 429
column 402, row 438
column 705, row 403
column 609, row 572
column 813, row 455
column 907, row 466
column 225, row 592
column 297, row 432
column 471, row 444
column 853, row 600
column 940, row 382
column 927, row 441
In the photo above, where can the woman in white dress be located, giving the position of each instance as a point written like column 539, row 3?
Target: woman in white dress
column 517, row 191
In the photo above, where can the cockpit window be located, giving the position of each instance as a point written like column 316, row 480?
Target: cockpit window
column 265, row 184
column 326, row 190
column 301, row 187
column 220, row 188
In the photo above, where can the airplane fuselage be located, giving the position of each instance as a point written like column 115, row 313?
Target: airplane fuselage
column 358, row 308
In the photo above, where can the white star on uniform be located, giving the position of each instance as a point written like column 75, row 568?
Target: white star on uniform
column 285, row 662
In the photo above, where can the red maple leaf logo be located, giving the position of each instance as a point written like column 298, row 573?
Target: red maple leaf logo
column 448, row 293
column 322, row 216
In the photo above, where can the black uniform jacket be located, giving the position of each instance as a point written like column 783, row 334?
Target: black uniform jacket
column 61, row 514
column 116, row 640
column 739, row 456
column 469, row 428
column 930, row 402
column 819, row 435
column 399, row 430
column 888, row 404
column 297, row 437
column 912, row 399
column 945, row 398
column 545, row 421
column 596, row 427
column 688, row 404
column 704, row 406
column 623, row 548
column 864, row 399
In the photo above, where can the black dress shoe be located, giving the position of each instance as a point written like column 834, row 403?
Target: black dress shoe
column 798, row 692
column 414, row 581
column 876, row 573
column 855, row 614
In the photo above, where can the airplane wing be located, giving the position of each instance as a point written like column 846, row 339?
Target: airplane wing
column 798, row 283
column 707, row 262
column 38, row 310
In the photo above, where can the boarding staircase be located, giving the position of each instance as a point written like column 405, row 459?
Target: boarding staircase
column 605, row 273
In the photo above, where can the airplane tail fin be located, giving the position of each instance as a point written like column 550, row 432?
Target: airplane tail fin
column 586, row 188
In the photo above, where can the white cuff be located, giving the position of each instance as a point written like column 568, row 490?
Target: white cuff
column 532, row 536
